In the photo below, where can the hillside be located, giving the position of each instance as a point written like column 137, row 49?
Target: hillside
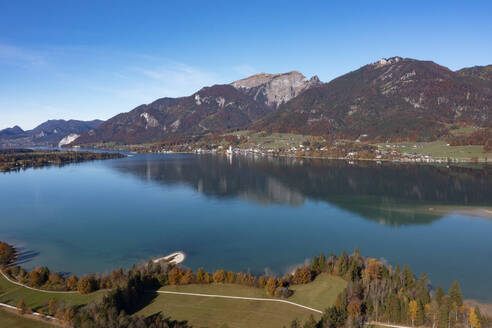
column 395, row 98
column 479, row 72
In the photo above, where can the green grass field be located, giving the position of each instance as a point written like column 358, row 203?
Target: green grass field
column 320, row 293
column 214, row 312
column 12, row 320
column 11, row 294
column 274, row 140
column 441, row 150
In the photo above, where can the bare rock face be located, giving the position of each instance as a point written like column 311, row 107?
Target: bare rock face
column 275, row 89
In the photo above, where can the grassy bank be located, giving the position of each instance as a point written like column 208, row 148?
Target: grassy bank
column 9, row 319
column 214, row 312
column 440, row 149
column 320, row 293
column 12, row 294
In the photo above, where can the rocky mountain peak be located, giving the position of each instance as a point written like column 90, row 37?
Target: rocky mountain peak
column 275, row 89
column 387, row 61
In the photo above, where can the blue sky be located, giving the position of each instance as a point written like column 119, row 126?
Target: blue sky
column 94, row 59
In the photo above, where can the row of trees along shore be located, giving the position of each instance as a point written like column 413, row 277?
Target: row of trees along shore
column 375, row 292
column 16, row 159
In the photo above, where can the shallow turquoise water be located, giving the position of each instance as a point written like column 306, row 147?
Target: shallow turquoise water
column 250, row 214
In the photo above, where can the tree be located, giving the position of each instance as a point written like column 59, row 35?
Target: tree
column 354, row 307
column 331, row 318
column 322, row 262
column 413, row 308
column 68, row 316
column 439, row 294
column 474, row 319
column 394, row 308
column 35, row 278
column 271, row 286
column 295, row 324
column 7, row 254
column 72, row 282
column 174, row 276
column 22, row 307
column 420, row 313
column 310, row 323
column 373, row 269
column 341, row 264
column 231, row 277
column 315, row 264
column 86, row 285
column 422, row 290
column 219, row 276
column 207, row 278
column 444, row 315
column 188, row 278
column 455, row 294
column 200, row 275
column 52, row 306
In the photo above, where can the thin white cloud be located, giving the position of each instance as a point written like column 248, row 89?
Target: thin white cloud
column 103, row 88
column 18, row 56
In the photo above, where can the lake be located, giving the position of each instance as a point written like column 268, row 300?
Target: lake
column 246, row 213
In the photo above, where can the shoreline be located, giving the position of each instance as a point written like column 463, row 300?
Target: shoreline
column 435, row 162
column 173, row 258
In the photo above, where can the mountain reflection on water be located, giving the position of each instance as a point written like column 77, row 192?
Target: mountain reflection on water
column 393, row 194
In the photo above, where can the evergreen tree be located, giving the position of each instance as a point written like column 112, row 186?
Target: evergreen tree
column 439, row 294
column 394, row 309
column 342, row 264
column 408, row 278
column 315, row 264
column 322, row 262
column 423, row 291
column 455, row 294
column 444, row 315
column 420, row 314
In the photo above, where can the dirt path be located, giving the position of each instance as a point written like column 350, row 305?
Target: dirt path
column 385, row 324
column 241, row 298
column 37, row 289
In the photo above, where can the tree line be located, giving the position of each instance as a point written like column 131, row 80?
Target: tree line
column 20, row 159
column 375, row 292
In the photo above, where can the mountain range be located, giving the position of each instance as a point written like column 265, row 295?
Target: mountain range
column 49, row 133
column 392, row 99
column 214, row 109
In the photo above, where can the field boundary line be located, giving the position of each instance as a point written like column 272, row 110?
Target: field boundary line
column 49, row 317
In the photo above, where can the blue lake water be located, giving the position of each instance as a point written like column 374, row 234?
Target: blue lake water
column 243, row 213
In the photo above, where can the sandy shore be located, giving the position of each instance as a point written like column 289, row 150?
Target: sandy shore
column 174, row 258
